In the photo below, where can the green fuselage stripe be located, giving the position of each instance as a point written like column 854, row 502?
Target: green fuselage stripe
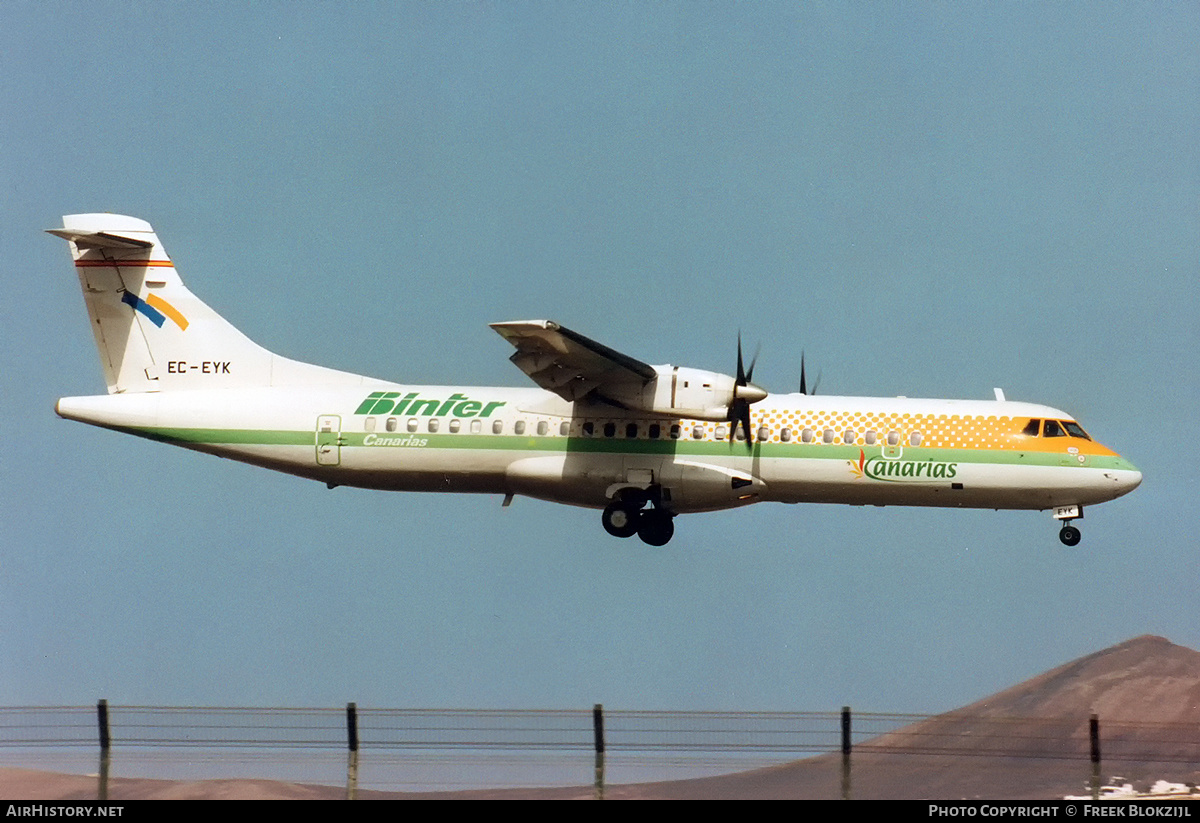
column 614, row 445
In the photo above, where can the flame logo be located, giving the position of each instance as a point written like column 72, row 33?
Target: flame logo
column 857, row 467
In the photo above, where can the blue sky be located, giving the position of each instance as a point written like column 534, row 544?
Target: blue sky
column 930, row 199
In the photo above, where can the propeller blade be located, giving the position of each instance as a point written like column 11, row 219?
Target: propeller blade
column 744, row 393
column 741, row 372
column 804, row 381
column 739, row 415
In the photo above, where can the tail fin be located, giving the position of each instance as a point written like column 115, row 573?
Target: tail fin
column 152, row 333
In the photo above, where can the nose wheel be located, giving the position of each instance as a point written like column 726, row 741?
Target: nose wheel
column 1069, row 535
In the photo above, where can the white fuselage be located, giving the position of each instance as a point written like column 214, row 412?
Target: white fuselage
column 860, row 451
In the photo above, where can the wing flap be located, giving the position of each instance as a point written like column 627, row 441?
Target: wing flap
column 567, row 363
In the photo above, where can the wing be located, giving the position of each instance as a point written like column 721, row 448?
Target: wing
column 569, row 364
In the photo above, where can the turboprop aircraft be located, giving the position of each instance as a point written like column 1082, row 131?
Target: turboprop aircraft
column 601, row 429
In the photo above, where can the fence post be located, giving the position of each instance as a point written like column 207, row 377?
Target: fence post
column 352, row 742
column 598, row 733
column 105, row 747
column 1094, row 733
column 846, row 752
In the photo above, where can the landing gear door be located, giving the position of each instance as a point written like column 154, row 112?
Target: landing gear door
column 329, row 440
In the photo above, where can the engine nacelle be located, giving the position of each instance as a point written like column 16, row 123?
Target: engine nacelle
column 692, row 393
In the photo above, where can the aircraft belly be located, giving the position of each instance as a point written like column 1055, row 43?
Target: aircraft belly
column 579, row 480
column 424, row 468
column 435, row 470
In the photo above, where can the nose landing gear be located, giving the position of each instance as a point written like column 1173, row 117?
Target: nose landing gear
column 1069, row 535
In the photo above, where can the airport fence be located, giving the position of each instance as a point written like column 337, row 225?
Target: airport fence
column 459, row 749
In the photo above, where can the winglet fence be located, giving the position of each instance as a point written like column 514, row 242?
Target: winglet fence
column 732, row 740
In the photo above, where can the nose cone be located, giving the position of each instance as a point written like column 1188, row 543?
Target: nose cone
column 1130, row 481
column 1125, row 476
column 750, row 393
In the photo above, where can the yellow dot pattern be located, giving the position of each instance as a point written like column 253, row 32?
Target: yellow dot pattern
column 939, row 431
column 857, row 428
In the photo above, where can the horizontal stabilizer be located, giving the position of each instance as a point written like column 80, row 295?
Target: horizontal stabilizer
column 100, row 239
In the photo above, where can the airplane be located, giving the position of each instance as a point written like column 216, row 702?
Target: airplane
column 643, row 443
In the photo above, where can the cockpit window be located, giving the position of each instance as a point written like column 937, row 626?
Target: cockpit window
column 1053, row 429
column 1075, row 430
column 1032, row 429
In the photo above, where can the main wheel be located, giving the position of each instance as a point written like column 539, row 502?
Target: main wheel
column 1070, row 536
column 655, row 527
column 620, row 520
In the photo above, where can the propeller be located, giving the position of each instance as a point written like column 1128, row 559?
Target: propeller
column 803, row 382
column 744, row 394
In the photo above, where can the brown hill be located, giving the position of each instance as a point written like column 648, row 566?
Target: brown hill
column 1147, row 679
column 1027, row 742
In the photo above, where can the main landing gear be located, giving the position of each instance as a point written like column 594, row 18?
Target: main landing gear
column 627, row 516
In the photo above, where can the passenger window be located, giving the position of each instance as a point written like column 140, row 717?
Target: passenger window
column 763, row 434
column 476, row 426
column 893, row 438
column 828, row 435
column 455, row 426
column 519, row 427
column 871, row 437
column 721, row 432
column 413, row 423
column 434, row 424
column 655, row 431
column 610, row 429
column 497, row 427
column 697, row 432
column 369, row 424
column 849, row 436
column 589, row 428
column 564, row 428
column 391, row 424
column 542, row 428
column 1031, row 429
column 675, row 431
column 1052, row 429
column 914, row 439
column 631, row 430
column 785, row 435
column 806, row 436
